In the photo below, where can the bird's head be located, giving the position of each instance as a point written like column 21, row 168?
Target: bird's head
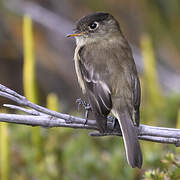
column 95, row 26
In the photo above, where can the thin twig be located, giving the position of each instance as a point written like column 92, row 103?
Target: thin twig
column 25, row 110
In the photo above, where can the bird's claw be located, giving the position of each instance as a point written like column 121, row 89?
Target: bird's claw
column 86, row 106
column 113, row 124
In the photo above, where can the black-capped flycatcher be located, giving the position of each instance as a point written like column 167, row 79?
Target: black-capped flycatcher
column 107, row 74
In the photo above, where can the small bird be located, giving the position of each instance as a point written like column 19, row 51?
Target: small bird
column 107, row 75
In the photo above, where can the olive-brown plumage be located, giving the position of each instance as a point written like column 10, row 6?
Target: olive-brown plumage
column 107, row 74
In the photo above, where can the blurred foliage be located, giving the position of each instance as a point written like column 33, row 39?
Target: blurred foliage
column 53, row 102
column 164, row 20
column 61, row 153
column 168, row 171
column 153, row 99
column 29, row 82
column 178, row 120
column 29, row 79
column 4, row 150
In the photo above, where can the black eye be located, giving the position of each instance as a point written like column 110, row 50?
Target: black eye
column 93, row 25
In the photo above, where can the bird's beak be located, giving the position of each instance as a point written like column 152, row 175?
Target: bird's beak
column 76, row 34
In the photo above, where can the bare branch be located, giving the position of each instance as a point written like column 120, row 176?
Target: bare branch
column 43, row 121
column 12, row 95
column 41, row 116
column 28, row 111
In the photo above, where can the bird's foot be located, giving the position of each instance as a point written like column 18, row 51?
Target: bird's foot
column 113, row 128
column 113, row 124
column 86, row 106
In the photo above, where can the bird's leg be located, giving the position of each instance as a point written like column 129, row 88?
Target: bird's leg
column 113, row 124
column 87, row 109
column 86, row 106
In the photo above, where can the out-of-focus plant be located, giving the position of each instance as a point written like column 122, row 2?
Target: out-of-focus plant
column 152, row 95
column 154, row 108
column 51, row 159
column 178, row 120
column 52, row 102
column 29, row 82
column 168, row 171
column 4, row 152
column 152, row 98
column 178, row 127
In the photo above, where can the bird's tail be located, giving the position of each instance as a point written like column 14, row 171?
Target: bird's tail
column 132, row 146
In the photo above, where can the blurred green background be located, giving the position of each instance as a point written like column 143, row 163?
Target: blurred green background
column 36, row 59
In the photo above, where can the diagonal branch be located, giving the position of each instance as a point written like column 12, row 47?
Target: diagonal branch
column 41, row 116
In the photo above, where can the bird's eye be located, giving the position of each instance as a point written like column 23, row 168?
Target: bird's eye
column 93, row 25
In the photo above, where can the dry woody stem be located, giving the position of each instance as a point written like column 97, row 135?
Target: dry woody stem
column 43, row 117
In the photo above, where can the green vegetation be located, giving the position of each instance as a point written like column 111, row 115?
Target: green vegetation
column 29, row 82
column 169, row 169
column 4, row 151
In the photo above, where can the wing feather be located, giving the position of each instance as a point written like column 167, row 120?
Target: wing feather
column 97, row 90
column 136, row 98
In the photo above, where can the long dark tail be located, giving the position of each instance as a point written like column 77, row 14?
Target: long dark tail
column 132, row 146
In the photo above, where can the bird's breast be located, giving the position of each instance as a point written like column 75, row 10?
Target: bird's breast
column 77, row 68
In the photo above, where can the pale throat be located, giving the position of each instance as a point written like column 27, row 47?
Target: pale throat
column 108, row 38
column 81, row 41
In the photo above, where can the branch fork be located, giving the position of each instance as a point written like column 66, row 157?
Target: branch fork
column 41, row 116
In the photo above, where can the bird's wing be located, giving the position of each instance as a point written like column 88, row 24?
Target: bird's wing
column 97, row 90
column 136, row 98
